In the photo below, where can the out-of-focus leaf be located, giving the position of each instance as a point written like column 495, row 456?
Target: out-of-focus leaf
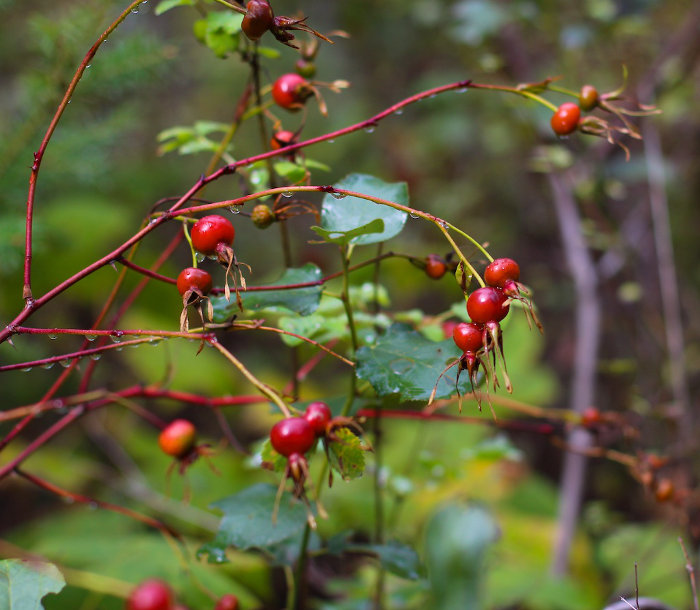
column 166, row 5
column 456, row 540
column 24, row 583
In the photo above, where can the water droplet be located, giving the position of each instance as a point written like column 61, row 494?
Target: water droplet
column 26, row 369
column 68, row 500
column 338, row 195
column 91, row 337
column 462, row 89
column 69, row 101
column 331, row 141
column 287, row 194
column 200, row 257
column 398, row 111
column 134, row 11
column 136, row 345
column 235, row 209
column 65, row 363
column 443, row 224
column 152, row 221
column 414, row 216
column 53, row 337
column 96, row 356
column 88, row 66
column 48, row 365
column 118, row 349
column 430, row 97
column 370, row 129
column 93, row 505
column 115, row 338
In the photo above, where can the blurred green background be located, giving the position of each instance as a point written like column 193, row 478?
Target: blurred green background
column 479, row 159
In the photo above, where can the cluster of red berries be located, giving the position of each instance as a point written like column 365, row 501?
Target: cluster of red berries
column 486, row 307
column 211, row 236
column 292, row 437
column 154, row 594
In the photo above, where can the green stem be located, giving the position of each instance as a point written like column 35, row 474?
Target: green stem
column 378, row 509
column 264, row 389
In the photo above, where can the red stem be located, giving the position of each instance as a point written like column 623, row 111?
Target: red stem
column 50, row 487
column 39, row 154
column 506, row 424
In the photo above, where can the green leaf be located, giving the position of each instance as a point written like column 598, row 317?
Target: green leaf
column 456, row 540
column 247, row 521
column 351, row 235
column 344, row 215
column 166, row 5
column 219, row 30
column 290, row 171
column 404, row 362
column 398, row 559
column 24, row 583
column 347, row 454
column 303, row 301
column 269, row 455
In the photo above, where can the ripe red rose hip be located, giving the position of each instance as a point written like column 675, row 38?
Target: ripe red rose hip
column 227, row 602
column 487, row 304
column 210, row 231
column 291, row 90
column 318, row 414
column 177, row 438
column 500, row 271
column 258, row 19
column 150, row 595
column 292, row 435
column 565, row 120
column 468, row 337
column 194, row 279
column 435, row 266
column 281, row 139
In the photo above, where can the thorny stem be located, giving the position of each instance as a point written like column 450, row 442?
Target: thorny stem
column 91, row 352
column 264, row 389
column 33, row 305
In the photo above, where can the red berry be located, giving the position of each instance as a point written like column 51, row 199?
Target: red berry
column 192, row 278
column 501, row 271
column 281, row 139
column 487, row 304
column 664, row 490
column 292, row 435
column 227, row 602
column 177, row 438
column 588, row 97
column 468, row 337
column 590, row 418
column 565, row 120
column 210, row 231
column 435, row 266
column 318, row 414
column 258, row 19
column 291, row 90
column 150, row 595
